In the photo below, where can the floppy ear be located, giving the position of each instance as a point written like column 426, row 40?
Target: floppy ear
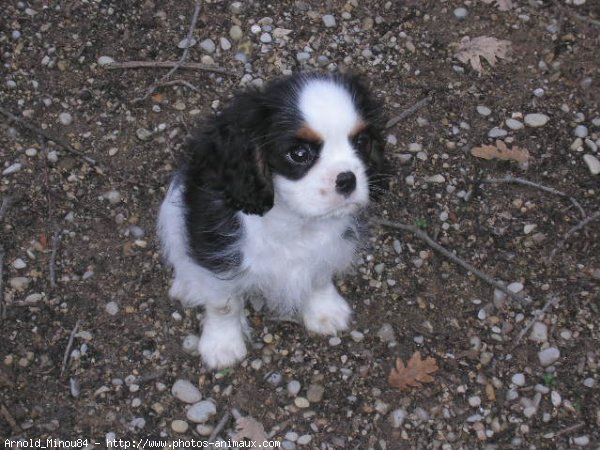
column 228, row 156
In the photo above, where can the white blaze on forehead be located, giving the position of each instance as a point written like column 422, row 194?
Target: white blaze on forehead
column 328, row 108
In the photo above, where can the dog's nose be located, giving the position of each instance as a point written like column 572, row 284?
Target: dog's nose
column 345, row 183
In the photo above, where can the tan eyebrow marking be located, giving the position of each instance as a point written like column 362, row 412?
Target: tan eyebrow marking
column 360, row 126
column 308, row 134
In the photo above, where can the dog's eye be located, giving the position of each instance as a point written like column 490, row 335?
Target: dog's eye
column 302, row 154
column 361, row 142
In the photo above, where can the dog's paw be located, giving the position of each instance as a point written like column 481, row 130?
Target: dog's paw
column 327, row 313
column 222, row 348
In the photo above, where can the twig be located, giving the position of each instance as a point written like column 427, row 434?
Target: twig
column 2, row 304
column 437, row 247
column 49, row 136
column 552, row 301
column 219, row 427
column 68, row 349
column 16, row 429
column 513, row 180
column 52, row 262
column 573, row 230
column 570, row 429
column 407, row 112
column 186, row 50
column 166, row 64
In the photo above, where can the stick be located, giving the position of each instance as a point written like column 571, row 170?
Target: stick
column 16, row 429
column 186, row 50
column 552, row 301
column 407, row 112
column 166, row 64
column 52, row 262
column 219, row 427
column 509, row 179
column 573, row 230
column 49, row 136
column 68, row 349
column 425, row 237
column 570, row 429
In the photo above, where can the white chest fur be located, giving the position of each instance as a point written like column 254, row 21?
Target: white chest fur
column 286, row 257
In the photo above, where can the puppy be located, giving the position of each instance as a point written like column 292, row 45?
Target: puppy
column 267, row 201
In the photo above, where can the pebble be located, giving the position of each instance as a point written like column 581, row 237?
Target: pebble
column 33, row 298
column 593, row 164
column 435, row 179
column 314, row 393
column 204, row 430
column 539, row 332
column 143, row 134
column 334, row 341
column 397, row 246
column 111, row 308
column 184, row 43
column 235, row 33
column 301, row 402
column 15, row 34
column 304, row 439
column 581, row 441
column 415, row 147
column 19, row 283
column 179, row 426
column 200, row 412
column 474, row 401
column 518, row 379
column 589, row 382
column 497, row 132
column 274, row 378
column 113, row 197
column 208, row 45
column 555, row 398
column 65, row 118
column 288, row 445
column 357, row 336
column 19, row 264
column 302, row 56
column 31, row 152
column 52, row 156
column 293, row 387
column 329, row 20
column 386, row 333
column 236, row 7
column 581, row 131
column 190, row 344
column 397, row 417
column 461, row 13
column 515, row 287
column 266, row 38
column 13, row 168
column 404, row 158
column 484, row 110
column 291, row 436
column 105, row 60
column 224, row 43
column 514, row 124
column 536, row 120
column 186, row 392
column 549, row 356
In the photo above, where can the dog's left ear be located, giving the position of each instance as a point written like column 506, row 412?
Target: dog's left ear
column 229, row 155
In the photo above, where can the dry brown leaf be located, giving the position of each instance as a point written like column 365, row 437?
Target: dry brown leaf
column 503, row 5
column 471, row 50
column 249, row 428
column 501, row 151
column 415, row 372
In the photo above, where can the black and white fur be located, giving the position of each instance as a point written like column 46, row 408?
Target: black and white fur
column 267, row 201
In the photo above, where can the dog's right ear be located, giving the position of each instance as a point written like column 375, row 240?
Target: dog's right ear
column 229, row 155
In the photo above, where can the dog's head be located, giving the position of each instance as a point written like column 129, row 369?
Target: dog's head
column 311, row 143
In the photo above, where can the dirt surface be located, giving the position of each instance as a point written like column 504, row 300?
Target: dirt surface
column 127, row 351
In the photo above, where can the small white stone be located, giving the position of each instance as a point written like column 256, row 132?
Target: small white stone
column 235, row 33
column 65, row 118
column 19, row 264
column 293, row 387
column 461, row 13
column 334, row 341
column 329, row 20
column 111, row 308
column 186, row 391
column 105, row 60
column 549, row 356
column 539, row 332
column 224, row 43
column 497, row 132
column 31, row 152
column 593, row 164
column 291, row 436
column 200, row 412
column 475, row 401
column 415, row 147
column 435, row 179
column 589, row 382
column 179, row 426
column 555, row 398
column 518, row 379
column 52, row 156
column 357, row 336
column 538, row 92
column 113, row 197
column 515, row 287
column 397, row 417
column 580, row 131
column 302, row 56
column 301, row 402
column 514, row 124
column 536, row 120
column 208, row 45
column 185, row 43
column 304, row 439
column 581, row 441
column 190, row 344
column 484, row 110
column 13, row 168
column 266, row 38
column 410, row 180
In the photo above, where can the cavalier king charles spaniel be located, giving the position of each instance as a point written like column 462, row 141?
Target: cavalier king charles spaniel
column 267, row 201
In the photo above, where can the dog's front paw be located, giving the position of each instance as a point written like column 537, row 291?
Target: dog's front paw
column 327, row 312
column 222, row 348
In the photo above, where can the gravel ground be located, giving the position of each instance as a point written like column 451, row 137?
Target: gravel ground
column 80, row 259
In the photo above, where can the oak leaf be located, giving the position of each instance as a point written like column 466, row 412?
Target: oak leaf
column 415, row 372
column 249, row 428
column 472, row 50
column 501, row 151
